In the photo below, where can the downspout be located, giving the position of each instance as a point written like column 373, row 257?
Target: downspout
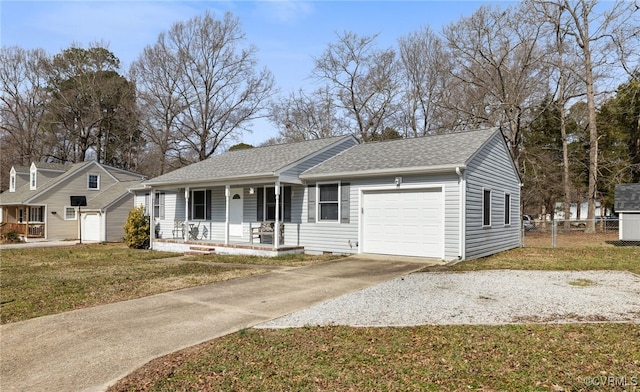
column 462, row 213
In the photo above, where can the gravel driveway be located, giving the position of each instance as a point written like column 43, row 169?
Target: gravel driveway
column 481, row 297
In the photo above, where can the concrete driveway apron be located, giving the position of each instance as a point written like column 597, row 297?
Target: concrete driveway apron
column 90, row 349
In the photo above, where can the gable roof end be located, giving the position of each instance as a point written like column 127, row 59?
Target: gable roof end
column 627, row 198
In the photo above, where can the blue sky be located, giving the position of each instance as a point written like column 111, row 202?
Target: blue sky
column 288, row 34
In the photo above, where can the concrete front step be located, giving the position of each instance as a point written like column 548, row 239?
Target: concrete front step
column 200, row 250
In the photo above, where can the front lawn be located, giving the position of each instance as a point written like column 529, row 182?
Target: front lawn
column 534, row 357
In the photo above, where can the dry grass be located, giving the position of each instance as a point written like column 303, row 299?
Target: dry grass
column 449, row 358
column 536, row 357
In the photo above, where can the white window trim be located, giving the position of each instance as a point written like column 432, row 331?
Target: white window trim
column 97, row 188
column 484, row 190
column 75, row 215
column 507, row 217
column 318, row 185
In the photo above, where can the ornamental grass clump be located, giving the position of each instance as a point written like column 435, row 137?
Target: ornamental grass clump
column 136, row 229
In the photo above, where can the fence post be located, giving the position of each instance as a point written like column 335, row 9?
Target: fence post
column 554, row 233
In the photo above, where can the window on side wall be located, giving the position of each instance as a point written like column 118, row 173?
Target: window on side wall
column 486, row 207
column 70, row 213
column 507, row 209
column 328, row 202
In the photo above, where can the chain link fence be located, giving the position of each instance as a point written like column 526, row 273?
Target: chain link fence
column 572, row 233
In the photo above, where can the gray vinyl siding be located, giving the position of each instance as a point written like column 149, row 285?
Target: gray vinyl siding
column 343, row 237
column 319, row 158
column 115, row 217
column 491, row 168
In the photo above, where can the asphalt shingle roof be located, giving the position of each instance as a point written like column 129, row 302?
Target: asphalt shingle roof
column 259, row 161
column 445, row 150
column 111, row 194
column 627, row 197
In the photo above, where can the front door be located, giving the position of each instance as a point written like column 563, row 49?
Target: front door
column 235, row 212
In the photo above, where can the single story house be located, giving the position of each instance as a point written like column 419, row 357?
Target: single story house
column 627, row 205
column 453, row 196
column 38, row 201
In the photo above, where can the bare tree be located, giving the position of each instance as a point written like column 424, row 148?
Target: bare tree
column 425, row 75
column 157, row 76
column 22, row 105
column 498, row 70
column 596, row 38
column 302, row 116
column 363, row 79
column 212, row 89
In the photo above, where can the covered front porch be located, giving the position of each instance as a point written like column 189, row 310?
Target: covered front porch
column 242, row 219
column 26, row 221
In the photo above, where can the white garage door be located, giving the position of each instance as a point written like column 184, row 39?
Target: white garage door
column 407, row 222
column 91, row 224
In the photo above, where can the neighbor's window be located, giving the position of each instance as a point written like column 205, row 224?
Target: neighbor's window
column 94, row 181
column 34, row 177
column 328, row 202
column 36, row 214
column 486, row 207
column 507, row 209
column 70, row 213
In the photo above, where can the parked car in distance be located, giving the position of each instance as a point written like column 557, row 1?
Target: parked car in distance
column 528, row 223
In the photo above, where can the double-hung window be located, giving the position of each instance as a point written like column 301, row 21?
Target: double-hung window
column 70, row 213
column 200, row 205
column 266, row 204
column 158, row 206
column 93, row 181
column 329, row 202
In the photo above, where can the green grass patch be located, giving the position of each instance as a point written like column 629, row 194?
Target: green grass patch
column 510, row 357
column 41, row 281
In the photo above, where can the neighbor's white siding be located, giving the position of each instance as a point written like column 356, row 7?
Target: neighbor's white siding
column 491, row 168
column 629, row 226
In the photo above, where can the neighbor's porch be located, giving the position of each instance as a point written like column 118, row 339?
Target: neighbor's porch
column 26, row 221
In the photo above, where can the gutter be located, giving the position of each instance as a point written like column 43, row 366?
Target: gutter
column 379, row 172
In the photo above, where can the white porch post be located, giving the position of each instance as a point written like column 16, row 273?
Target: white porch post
column 276, row 225
column 185, row 227
column 227, row 193
column 152, row 225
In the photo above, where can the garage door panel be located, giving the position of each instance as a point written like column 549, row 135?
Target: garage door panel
column 407, row 222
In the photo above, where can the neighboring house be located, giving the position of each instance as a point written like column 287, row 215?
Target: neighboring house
column 38, row 201
column 627, row 205
column 453, row 196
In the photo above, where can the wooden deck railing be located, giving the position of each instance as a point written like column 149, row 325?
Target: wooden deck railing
column 30, row 230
